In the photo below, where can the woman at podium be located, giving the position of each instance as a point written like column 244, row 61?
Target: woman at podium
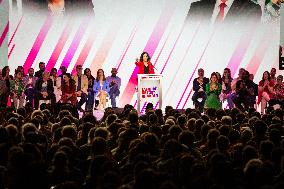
column 144, row 64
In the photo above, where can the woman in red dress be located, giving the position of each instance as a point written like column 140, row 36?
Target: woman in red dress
column 144, row 64
column 265, row 90
column 68, row 90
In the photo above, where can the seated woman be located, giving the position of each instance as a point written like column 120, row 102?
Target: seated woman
column 278, row 95
column 213, row 90
column 68, row 90
column 91, row 79
column 17, row 87
column 265, row 90
column 101, row 88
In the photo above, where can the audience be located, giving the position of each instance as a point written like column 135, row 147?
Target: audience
column 54, row 148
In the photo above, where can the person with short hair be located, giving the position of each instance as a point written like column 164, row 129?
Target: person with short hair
column 39, row 73
column 114, row 83
column 81, row 82
column 199, row 84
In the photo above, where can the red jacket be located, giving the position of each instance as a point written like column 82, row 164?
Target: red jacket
column 141, row 67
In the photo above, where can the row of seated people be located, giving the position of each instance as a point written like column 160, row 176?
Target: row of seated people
column 48, row 86
column 240, row 92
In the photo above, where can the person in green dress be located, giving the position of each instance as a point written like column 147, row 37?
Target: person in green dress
column 213, row 90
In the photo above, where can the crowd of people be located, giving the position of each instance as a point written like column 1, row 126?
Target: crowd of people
column 241, row 92
column 52, row 148
column 52, row 88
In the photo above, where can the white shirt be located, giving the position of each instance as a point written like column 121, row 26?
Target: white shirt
column 217, row 9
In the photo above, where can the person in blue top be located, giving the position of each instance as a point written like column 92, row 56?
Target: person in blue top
column 101, row 88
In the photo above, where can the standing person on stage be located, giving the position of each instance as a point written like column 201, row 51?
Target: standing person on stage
column 91, row 79
column 265, row 90
column 213, row 90
column 39, row 73
column 144, row 64
column 101, row 88
column 44, row 89
column 17, row 87
column 30, row 81
column 114, row 83
column 199, row 84
column 56, row 83
column 81, row 86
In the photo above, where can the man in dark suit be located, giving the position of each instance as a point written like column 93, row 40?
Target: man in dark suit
column 44, row 89
column 223, row 10
column 39, row 73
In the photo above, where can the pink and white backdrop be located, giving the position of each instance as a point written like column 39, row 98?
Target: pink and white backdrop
column 119, row 31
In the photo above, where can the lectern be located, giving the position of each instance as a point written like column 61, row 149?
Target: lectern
column 149, row 91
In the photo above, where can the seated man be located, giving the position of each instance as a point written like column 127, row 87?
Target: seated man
column 81, row 82
column 199, row 84
column 278, row 95
column 44, row 89
column 114, row 82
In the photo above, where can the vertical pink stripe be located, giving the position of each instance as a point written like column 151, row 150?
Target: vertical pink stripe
column 127, row 46
column 15, row 32
column 242, row 48
column 150, row 47
column 11, row 51
column 4, row 34
column 38, row 43
column 172, row 50
column 86, row 49
column 1, row 1
column 59, row 46
column 76, row 41
column 189, row 81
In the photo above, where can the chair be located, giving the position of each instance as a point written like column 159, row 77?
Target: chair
column 43, row 102
column 108, row 102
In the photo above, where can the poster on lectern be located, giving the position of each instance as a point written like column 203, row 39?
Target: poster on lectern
column 149, row 91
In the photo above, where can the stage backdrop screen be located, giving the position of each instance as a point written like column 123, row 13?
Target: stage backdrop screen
column 180, row 36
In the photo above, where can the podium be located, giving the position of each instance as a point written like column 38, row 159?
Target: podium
column 149, row 91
